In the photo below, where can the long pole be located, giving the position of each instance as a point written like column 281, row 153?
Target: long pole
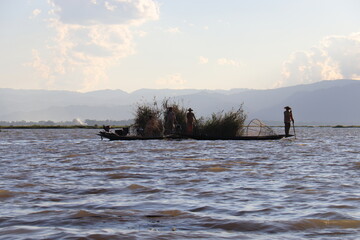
column 294, row 129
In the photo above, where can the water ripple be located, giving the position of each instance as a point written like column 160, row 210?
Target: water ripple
column 68, row 184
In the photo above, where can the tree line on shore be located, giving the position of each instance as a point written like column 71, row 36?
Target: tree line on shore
column 88, row 123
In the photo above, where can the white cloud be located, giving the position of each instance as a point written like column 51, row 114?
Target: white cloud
column 203, row 60
column 91, row 36
column 35, row 13
column 43, row 70
column 230, row 62
column 86, row 12
column 336, row 57
column 140, row 33
column 172, row 81
column 173, row 30
column 110, row 7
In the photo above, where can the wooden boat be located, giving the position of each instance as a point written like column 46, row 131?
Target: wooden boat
column 113, row 136
column 269, row 137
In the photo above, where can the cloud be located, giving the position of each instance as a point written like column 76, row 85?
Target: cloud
column 90, row 12
column 140, row 33
column 43, row 70
column 203, row 60
column 110, row 7
column 230, row 62
column 173, row 30
column 35, row 13
column 336, row 57
column 172, row 81
column 91, row 36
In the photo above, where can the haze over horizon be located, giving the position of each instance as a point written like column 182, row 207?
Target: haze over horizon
column 88, row 45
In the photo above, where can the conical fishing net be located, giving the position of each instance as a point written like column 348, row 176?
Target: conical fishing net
column 258, row 128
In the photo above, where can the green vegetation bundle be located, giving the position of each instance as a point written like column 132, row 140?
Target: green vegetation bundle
column 146, row 113
column 151, row 118
column 228, row 124
column 180, row 113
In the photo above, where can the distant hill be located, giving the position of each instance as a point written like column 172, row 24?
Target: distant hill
column 325, row 102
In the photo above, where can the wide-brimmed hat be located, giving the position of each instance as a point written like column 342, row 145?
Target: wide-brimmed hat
column 287, row 107
column 190, row 110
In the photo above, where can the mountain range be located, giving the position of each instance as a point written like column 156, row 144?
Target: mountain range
column 325, row 102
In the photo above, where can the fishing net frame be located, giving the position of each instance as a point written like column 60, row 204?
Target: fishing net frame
column 258, row 128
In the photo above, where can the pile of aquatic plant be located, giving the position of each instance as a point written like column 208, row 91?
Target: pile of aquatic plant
column 147, row 117
column 180, row 113
column 228, row 124
column 151, row 118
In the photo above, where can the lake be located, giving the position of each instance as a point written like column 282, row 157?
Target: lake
column 69, row 184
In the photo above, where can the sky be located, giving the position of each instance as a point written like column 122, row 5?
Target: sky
column 88, row 45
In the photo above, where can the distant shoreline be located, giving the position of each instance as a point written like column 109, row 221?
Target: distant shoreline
column 113, row 127
column 56, row 127
column 341, row 126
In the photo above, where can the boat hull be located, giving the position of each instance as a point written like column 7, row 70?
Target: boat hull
column 112, row 137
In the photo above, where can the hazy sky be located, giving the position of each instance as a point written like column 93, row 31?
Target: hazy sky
column 85, row 45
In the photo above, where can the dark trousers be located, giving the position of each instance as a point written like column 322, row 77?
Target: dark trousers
column 287, row 128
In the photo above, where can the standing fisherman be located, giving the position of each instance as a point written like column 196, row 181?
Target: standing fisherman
column 170, row 120
column 288, row 118
column 190, row 119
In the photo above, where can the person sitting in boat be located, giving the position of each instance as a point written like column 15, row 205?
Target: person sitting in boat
column 140, row 131
column 122, row 131
column 106, row 128
column 170, row 120
column 288, row 118
column 190, row 121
